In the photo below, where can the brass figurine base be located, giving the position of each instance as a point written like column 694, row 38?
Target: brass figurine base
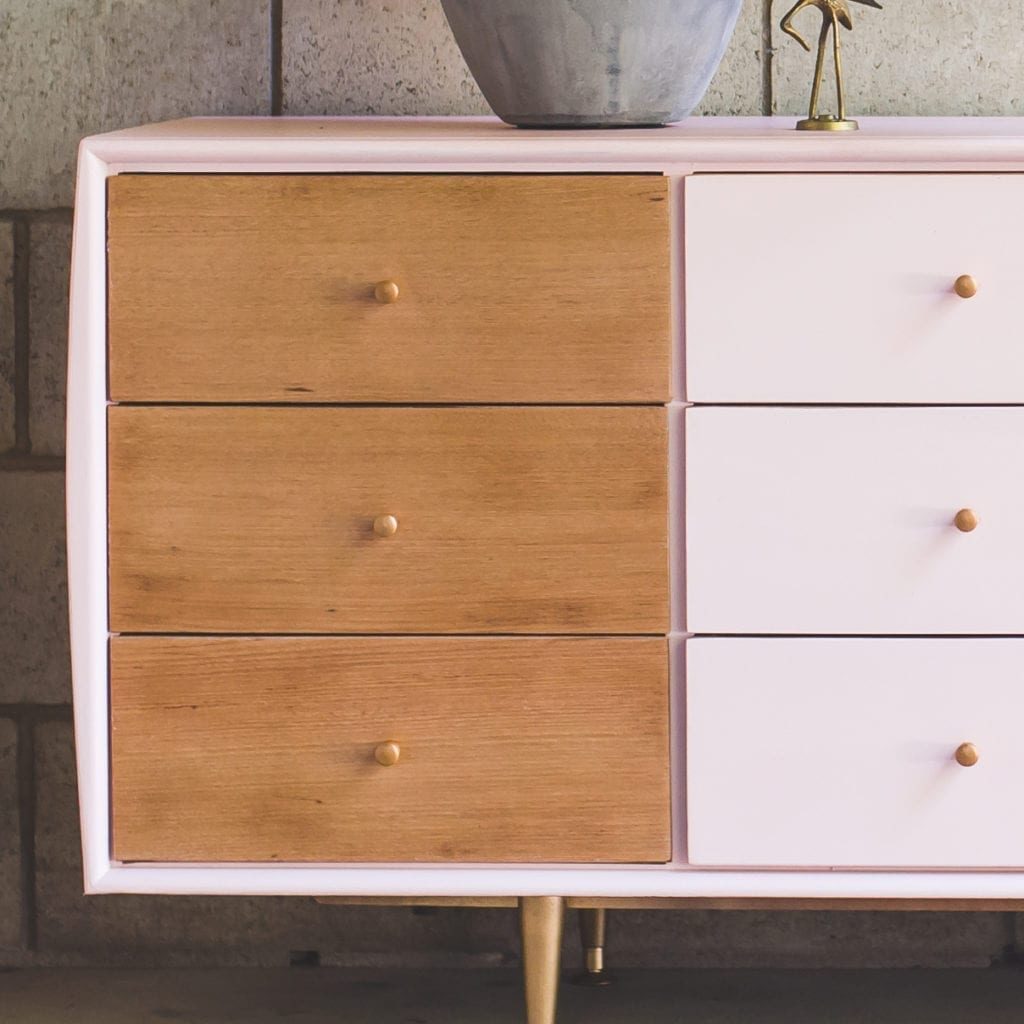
column 827, row 123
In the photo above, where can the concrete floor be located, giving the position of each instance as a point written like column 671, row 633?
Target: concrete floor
column 328, row 996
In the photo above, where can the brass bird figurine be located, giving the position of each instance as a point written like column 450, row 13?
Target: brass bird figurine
column 834, row 13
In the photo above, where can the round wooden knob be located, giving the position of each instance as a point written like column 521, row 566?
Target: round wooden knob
column 385, row 526
column 966, row 520
column 967, row 755
column 966, row 287
column 387, row 754
column 386, row 292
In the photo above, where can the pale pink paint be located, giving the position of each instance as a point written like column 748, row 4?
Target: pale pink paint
column 742, row 148
column 818, row 288
column 840, row 521
column 840, row 753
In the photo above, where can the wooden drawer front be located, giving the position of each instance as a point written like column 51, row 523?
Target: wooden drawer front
column 519, row 288
column 258, row 520
column 840, row 288
column 841, row 521
column 842, row 753
column 263, row 749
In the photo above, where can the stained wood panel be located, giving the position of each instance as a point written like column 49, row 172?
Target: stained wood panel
column 511, row 520
column 521, row 288
column 512, row 750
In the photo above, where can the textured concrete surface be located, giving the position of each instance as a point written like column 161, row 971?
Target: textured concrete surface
column 472, row 997
column 74, row 67
column 369, row 57
column 10, row 839
column 6, row 335
column 736, row 88
column 34, row 659
column 48, row 345
column 945, row 57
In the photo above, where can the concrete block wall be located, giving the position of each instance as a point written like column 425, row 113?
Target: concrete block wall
column 75, row 67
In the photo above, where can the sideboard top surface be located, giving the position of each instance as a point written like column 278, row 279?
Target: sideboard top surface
column 449, row 143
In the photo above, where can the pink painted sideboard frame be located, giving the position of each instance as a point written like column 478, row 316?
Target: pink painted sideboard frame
column 748, row 146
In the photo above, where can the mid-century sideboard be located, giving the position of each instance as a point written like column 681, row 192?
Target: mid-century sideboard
column 461, row 513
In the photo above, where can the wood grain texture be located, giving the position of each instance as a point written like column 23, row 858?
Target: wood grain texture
column 514, row 750
column 521, row 288
column 511, row 520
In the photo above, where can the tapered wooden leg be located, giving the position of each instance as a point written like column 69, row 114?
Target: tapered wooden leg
column 541, row 919
column 593, row 930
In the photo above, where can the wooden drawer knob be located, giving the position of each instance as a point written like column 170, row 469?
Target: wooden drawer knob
column 387, row 754
column 966, row 287
column 385, row 526
column 966, row 520
column 386, row 292
column 967, row 755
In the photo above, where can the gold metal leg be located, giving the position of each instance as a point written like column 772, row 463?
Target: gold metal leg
column 817, row 122
column 593, row 930
column 838, row 58
column 819, row 73
column 541, row 919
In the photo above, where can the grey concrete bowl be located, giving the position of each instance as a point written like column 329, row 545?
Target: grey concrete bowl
column 592, row 63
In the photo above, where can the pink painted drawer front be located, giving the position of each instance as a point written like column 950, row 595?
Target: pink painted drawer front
column 842, row 753
column 841, row 521
column 840, row 288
